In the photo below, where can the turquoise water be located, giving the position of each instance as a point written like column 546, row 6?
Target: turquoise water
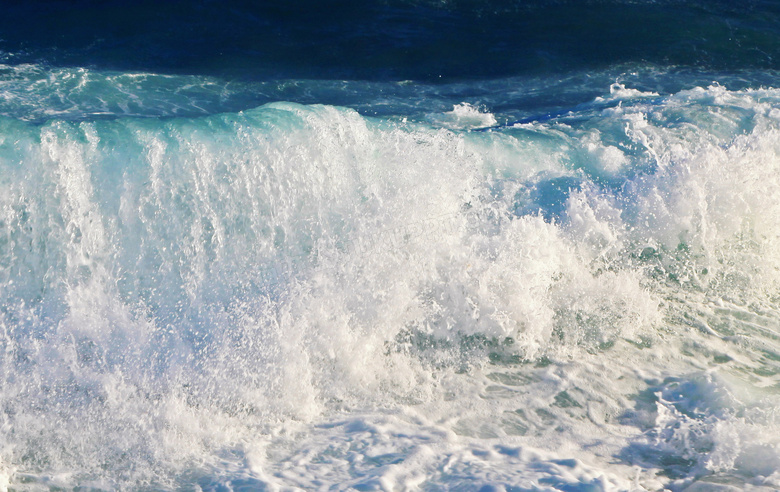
column 310, row 275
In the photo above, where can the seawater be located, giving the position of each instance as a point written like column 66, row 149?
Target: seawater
column 566, row 279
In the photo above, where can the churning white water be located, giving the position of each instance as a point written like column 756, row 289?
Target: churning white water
column 306, row 296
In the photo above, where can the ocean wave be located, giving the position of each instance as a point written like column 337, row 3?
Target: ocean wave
column 188, row 298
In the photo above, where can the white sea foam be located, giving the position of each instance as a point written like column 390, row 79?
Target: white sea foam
column 464, row 116
column 619, row 92
column 301, row 296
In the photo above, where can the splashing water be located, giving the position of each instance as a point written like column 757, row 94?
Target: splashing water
column 305, row 296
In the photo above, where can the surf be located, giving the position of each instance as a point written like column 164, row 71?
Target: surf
column 277, row 293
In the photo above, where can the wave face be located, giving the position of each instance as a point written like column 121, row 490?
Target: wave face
column 530, row 283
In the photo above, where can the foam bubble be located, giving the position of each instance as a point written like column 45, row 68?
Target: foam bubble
column 465, row 116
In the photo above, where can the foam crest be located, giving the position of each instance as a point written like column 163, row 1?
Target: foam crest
column 465, row 116
column 194, row 293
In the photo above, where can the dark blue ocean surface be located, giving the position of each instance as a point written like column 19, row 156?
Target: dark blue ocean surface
column 390, row 245
column 423, row 40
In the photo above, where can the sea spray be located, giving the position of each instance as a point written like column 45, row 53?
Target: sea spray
column 275, row 295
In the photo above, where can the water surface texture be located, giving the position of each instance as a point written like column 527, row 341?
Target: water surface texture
column 395, row 245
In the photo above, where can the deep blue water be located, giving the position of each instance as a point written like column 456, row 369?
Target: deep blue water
column 391, row 40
